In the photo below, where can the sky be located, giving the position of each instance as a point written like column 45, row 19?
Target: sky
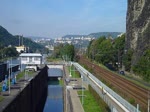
column 56, row 18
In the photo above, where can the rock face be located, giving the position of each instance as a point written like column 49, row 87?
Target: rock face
column 138, row 27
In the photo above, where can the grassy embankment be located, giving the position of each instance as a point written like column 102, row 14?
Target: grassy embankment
column 74, row 72
column 51, row 59
column 92, row 101
column 22, row 74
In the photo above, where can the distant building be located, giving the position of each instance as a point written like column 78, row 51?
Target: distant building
column 50, row 47
column 21, row 48
column 120, row 35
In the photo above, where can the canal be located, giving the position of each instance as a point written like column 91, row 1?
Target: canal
column 54, row 101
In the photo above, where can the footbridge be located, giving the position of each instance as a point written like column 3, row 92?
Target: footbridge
column 55, row 71
column 114, row 101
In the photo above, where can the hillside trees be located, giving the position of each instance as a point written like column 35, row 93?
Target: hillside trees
column 8, row 52
column 105, row 50
column 64, row 51
column 68, row 51
column 142, row 68
column 7, row 39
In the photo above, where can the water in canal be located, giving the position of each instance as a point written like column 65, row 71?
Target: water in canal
column 54, row 101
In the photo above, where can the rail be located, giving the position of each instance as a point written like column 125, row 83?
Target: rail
column 92, row 79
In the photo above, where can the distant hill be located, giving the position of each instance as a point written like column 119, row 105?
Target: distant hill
column 70, row 36
column 96, row 35
column 106, row 34
column 7, row 39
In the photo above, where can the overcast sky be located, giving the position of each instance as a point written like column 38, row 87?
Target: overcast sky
column 56, row 18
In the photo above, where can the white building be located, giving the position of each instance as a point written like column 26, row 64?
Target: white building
column 21, row 48
column 32, row 60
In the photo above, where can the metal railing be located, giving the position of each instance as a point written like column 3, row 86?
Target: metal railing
column 87, row 74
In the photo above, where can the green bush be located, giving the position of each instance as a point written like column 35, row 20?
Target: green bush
column 142, row 68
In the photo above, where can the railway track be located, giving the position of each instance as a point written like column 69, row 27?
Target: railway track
column 130, row 89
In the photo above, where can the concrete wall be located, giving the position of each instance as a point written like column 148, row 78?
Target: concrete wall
column 32, row 97
column 56, row 66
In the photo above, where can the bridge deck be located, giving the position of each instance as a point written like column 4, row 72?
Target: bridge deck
column 55, row 72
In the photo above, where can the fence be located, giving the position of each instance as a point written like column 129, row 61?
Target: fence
column 107, row 90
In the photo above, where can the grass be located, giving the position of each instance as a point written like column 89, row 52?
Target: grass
column 0, row 87
column 21, row 74
column 74, row 73
column 90, row 104
column 30, row 73
column 50, row 59
column 61, row 82
column 1, row 98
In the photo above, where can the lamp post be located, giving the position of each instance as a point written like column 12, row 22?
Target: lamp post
column 8, row 77
column 70, row 68
column 9, row 67
column 82, row 91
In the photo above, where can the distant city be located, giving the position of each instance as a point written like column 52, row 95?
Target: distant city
column 81, row 41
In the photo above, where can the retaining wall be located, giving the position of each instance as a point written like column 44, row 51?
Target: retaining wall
column 32, row 97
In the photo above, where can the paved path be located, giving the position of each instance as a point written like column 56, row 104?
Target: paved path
column 73, row 100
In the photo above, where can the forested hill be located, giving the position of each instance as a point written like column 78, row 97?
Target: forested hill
column 106, row 34
column 7, row 39
column 96, row 35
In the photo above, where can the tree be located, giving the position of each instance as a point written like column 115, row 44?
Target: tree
column 68, row 51
column 127, row 59
column 10, row 52
column 57, row 51
column 142, row 68
column 105, row 50
column 119, row 49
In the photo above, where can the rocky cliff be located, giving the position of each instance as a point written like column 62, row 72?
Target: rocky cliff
column 138, row 28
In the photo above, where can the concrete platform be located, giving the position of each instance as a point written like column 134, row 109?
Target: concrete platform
column 73, row 100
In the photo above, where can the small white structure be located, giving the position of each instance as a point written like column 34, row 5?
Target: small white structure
column 32, row 60
column 21, row 48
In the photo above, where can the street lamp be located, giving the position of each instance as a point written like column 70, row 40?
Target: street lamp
column 82, row 90
column 70, row 68
column 9, row 75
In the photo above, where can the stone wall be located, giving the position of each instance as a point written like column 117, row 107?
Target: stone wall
column 32, row 97
column 138, row 28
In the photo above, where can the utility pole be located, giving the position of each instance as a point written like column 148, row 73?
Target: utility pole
column 22, row 40
column 19, row 40
column 82, row 91
column 9, row 76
